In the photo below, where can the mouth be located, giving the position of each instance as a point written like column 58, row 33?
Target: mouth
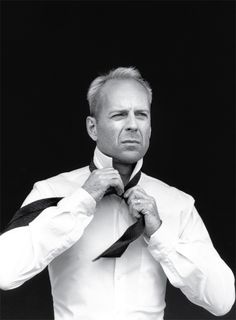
column 130, row 142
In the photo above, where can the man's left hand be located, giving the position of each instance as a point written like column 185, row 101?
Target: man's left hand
column 141, row 203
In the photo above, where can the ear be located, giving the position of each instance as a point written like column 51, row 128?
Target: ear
column 91, row 124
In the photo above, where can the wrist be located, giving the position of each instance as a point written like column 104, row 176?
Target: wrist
column 152, row 229
column 92, row 193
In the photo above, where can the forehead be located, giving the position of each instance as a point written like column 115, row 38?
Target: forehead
column 124, row 93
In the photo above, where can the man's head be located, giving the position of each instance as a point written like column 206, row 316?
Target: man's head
column 120, row 120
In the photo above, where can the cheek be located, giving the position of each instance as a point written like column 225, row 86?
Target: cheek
column 146, row 132
column 107, row 134
column 149, row 133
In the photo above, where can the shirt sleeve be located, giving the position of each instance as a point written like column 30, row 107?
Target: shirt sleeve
column 192, row 264
column 26, row 251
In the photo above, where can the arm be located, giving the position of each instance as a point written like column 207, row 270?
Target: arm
column 192, row 264
column 26, row 251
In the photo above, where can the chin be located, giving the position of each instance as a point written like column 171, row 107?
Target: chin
column 129, row 157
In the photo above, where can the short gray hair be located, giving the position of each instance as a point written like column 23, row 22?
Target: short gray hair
column 120, row 73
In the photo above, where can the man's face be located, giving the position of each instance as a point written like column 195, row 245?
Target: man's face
column 123, row 124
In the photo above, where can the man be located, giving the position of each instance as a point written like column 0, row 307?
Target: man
column 69, row 236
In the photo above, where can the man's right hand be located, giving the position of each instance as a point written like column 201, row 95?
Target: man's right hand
column 102, row 179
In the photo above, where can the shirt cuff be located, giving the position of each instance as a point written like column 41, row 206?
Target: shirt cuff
column 79, row 201
column 161, row 243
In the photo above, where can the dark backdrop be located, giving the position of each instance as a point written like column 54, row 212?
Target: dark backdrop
column 51, row 51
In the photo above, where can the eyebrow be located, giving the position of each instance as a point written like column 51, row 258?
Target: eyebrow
column 127, row 110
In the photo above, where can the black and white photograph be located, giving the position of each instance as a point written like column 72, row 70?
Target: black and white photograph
column 117, row 160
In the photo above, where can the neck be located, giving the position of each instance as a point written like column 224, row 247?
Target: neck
column 125, row 170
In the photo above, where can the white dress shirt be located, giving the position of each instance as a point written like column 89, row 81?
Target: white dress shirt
column 68, row 236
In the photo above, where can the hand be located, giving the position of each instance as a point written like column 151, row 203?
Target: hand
column 102, row 179
column 141, row 203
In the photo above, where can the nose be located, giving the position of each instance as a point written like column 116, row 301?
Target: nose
column 131, row 123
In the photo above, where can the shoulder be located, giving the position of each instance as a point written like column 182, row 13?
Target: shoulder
column 164, row 193
column 70, row 176
column 64, row 183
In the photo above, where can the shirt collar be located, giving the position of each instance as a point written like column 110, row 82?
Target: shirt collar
column 102, row 161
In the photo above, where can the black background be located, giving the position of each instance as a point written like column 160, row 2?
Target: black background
column 51, row 51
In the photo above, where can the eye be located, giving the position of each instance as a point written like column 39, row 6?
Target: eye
column 142, row 115
column 119, row 115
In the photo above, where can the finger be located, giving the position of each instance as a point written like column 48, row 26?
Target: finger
column 105, row 171
column 140, row 193
column 117, row 183
column 139, row 205
column 129, row 192
column 134, row 213
column 109, row 177
column 137, row 195
column 143, row 206
column 132, row 197
column 137, row 190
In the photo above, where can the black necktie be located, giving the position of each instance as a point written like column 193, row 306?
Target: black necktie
column 28, row 213
column 132, row 233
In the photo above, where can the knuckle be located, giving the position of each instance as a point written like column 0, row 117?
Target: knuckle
column 132, row 205
column 140, row 189
column 150, row 203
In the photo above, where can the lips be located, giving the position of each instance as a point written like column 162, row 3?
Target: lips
column 131, row 141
